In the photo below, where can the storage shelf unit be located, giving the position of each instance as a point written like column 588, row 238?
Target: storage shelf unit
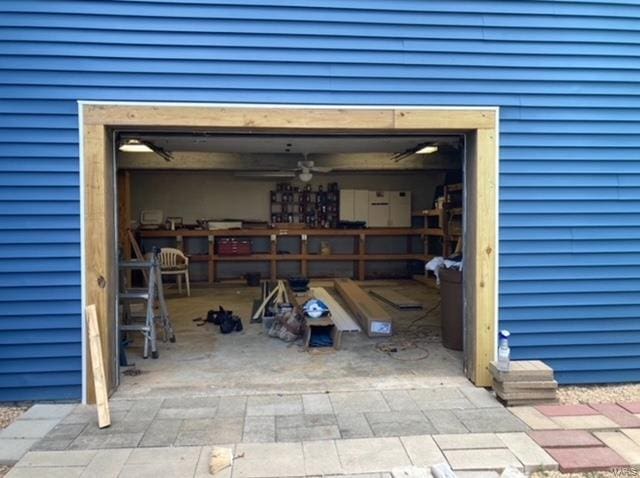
column 311, row 208
column 451, row 210
column 360, row 255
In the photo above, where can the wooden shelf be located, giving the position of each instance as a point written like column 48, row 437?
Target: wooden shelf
column 360, row 256
column 383, row 231
column 444, row 216
column 427, row 212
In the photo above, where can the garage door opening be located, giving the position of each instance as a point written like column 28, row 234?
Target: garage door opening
column 271, row 199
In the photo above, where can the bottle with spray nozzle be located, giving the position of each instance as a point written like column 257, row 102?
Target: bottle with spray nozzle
column 504, row 352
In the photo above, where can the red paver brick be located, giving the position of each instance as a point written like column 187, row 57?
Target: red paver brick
column 564, row 438
column 633, row 407
column 618, row 414
column 574, row 460
column 566, row 410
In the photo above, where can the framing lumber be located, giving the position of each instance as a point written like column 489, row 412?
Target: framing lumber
column 396, row 299
column 341, row 318
column 97, row 366
column 99, row 120
column 364, row 307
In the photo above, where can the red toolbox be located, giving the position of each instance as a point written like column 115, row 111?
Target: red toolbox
column 229, row 246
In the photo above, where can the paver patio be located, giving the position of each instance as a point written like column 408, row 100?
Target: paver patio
column 319, row 434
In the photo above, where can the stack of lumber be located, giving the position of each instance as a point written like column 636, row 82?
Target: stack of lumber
column 340, row 317
column 528, row 382
column 375, row 321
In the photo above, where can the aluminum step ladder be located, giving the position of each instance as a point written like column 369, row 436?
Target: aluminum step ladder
column 148, row 323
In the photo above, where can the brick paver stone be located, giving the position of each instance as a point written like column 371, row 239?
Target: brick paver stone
column 487, row 459
column 633, row 407
column 57, row 458
column 566, row 410
column 371, row 455
column 321, row 458
column 574, row 460
column 587, row 422
column 534, row 418
column 564, row 438
column 422, row 450
column 633, row 433
column 12, row 449
column 532, row 456
column 269, row 460
column 469, row 441
column 622, row 445
column 618, row 414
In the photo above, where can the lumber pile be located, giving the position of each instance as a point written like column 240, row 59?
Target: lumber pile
column 395, row 299
column 528, row 382
column 372, row 317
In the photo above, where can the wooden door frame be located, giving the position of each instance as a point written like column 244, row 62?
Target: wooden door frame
column 98, row 120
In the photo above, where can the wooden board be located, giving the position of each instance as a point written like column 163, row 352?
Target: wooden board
column 548, row 392
column 528, row 395
column 395, row 298
column 513, row 386
column 523, row 370
column 97, row 366
column 372, row 317
column 527, row 402
column 341, row 318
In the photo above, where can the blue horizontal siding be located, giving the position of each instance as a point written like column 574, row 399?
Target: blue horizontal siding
column 564, row 74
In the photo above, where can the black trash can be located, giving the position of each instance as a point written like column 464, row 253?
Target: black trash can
column 451, row 308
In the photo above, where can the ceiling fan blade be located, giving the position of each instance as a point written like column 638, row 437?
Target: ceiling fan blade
column 265, row 174
column 321, row 169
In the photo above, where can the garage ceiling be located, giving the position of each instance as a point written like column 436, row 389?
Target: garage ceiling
column 273, row 144
column 262, row 152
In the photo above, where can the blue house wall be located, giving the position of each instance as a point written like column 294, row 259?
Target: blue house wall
column 565, row 75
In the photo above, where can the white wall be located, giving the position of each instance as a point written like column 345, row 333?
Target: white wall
column 218, row 195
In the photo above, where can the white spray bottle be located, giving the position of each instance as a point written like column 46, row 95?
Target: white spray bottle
column 504, row 352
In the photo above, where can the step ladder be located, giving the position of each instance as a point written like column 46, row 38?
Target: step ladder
column 152, row 295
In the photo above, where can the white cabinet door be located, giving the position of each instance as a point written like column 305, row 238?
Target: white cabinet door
column 378, row 209
column 399, row 208
column 347, row 204
column 361, row 205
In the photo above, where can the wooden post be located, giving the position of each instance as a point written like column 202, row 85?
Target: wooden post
column 362, row 250
column 212, row 264
column 97, row 366
column 303, row 253
column 273, row 267
column 484, row 248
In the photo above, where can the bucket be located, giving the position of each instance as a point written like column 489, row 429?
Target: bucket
column 253, row 279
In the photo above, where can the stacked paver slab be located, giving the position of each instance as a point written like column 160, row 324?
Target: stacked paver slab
column 528, row 382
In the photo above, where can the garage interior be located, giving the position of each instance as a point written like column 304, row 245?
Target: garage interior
column 255, row 212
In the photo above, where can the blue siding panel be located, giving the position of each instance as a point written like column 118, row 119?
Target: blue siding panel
column 565, row 75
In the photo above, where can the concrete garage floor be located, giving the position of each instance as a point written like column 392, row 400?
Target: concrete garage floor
column 205, row 362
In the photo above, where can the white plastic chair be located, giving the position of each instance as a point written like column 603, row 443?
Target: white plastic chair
column 174, row 262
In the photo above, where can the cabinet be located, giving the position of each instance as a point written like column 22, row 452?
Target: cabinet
column 378, row 209
column 354, row 205
column 399, row 209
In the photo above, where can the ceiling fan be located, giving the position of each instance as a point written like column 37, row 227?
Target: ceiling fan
column 307, row 167
column 304, row 171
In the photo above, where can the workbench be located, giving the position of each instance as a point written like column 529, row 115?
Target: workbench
column 359, row 256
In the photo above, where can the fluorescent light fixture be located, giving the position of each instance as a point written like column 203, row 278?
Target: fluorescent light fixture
column 134, row 146
column 429, row 149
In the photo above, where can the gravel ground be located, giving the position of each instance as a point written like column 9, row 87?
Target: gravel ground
column 600, row 393
column 8, row 415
